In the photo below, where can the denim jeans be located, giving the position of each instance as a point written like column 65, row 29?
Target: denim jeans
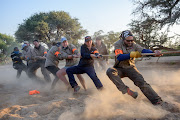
column 80, row 70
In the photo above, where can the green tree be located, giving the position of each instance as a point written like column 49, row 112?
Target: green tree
column 50, row 27
column 7, row 43
column 163, row 12
column 148, row 35
column 108, row 38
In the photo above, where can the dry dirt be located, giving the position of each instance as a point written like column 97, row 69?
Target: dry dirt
column 110, row 104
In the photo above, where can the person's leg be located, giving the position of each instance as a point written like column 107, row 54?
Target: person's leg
column 31, row 71
column 61, row 75
column 45, row 72
column 18, row 68
column 73, row 70
column 92, row 74
column 53, row 70
column 114, row 75
column 139, row 81
column 19, row 71
column 24, row 67
column 82, row 81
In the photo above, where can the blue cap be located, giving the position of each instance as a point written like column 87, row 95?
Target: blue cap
column 63, row 39
column 24, row 45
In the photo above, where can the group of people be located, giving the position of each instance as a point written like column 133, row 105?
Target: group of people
column 126, row 50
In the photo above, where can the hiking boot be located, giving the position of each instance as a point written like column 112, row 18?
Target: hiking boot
column 132, row 93
column 76, row 88
column 169, row 106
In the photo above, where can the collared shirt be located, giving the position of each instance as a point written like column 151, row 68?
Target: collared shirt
column 53, row 57
column 86, row 59
column 121, row 48
column 28, row 54
column 70, row 50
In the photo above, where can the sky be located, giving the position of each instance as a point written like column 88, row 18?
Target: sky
column 93, row 15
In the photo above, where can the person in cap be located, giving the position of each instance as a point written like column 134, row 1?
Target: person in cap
column 101, row 63
column 38, row 61
column 69, row 49
column 17, row 62
column 88, row 53
column 27, row 52
column 52, row 61
column 126, row 50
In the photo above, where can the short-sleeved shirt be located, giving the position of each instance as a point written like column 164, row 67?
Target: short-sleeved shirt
column 121, row 48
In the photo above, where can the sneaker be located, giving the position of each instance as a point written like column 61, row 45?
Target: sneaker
column 169, row 107
column 132, row 93
column 76, row 88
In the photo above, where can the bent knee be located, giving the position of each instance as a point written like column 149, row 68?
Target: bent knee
column 111, row 70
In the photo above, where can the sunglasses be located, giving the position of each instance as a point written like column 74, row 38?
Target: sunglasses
column 129, row 40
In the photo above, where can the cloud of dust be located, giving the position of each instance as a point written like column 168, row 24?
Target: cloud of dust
column 111, row 103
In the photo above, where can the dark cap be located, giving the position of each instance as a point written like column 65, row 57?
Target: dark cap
column 87, row 38
column 35, row 40
column 58, row 44
column 125, row 34
column 16, row 48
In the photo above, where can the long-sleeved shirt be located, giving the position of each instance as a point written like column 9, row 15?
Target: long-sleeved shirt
column 53, row 57
column 70, row 50
column 86, row 59
column 121, row 48
column 16, row 57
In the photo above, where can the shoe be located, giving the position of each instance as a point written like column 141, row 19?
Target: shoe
column 132, row 93
column 169, row 107
column 76, row 88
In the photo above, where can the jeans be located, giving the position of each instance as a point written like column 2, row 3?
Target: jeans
column 80, row 70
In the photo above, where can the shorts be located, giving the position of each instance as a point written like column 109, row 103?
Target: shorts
column 52, row 69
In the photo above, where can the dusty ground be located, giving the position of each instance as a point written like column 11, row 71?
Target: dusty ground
column 110, row 104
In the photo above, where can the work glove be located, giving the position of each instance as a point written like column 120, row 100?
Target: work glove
column 135, row 54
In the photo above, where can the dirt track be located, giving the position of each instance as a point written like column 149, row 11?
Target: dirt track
column 110, row 104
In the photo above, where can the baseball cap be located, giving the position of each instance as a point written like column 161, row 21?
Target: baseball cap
column 63, row 39
column 24, row 45
column 26, row 42
column 87, row 38
column 58, row 44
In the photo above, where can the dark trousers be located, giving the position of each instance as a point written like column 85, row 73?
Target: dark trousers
column 19, row 67
column 53, row 70
column 80, row 70
column 115, row 75
column 32, row 68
